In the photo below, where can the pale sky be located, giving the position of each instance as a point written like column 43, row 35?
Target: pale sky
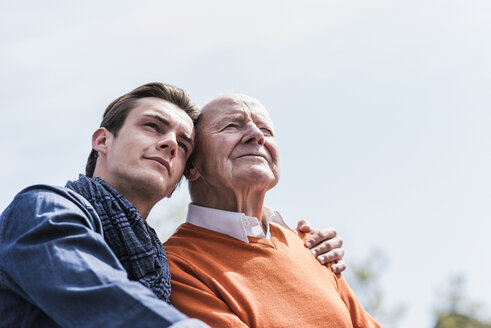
column 382, row 110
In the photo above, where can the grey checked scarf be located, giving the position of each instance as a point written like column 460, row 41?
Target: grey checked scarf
column 134, row 242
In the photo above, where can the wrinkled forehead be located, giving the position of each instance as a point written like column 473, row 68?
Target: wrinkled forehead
column 233, row 104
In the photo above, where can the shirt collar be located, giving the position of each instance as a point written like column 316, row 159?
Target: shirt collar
column 234, row 224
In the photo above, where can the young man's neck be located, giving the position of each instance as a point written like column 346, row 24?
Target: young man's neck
column 136, row 196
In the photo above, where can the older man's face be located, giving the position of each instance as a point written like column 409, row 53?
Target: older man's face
column 237, row 147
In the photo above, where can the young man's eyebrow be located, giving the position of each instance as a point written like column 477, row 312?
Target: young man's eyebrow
column 158, row 118
column 188, row 139
column 164, row 121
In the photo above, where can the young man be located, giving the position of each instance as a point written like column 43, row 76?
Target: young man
column 83, row 255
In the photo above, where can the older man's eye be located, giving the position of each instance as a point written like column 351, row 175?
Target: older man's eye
column 267, row 132
column 231, row 126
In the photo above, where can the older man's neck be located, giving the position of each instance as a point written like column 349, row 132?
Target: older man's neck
column 252, row 206
column 249, row 204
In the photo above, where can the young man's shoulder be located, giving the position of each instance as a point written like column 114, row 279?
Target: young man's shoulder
column 44, row 202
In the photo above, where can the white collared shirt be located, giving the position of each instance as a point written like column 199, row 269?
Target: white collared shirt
column 233, row 224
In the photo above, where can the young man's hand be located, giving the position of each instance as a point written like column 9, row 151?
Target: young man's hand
column 325, row 245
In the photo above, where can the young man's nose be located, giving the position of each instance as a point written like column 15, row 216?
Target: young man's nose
column 169, row 144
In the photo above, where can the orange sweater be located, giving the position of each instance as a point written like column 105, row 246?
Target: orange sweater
column 264, row 283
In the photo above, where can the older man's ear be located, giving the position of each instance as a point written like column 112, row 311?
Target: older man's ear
column 190, row 172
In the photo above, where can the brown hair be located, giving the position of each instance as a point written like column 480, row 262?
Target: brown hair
column 117, row 111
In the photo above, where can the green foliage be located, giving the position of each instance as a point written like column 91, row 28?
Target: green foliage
column 453, row 299
column 455, row 308
column 364, row 278
column 455, row 320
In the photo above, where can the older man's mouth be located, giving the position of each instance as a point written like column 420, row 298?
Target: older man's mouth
column 253, row 155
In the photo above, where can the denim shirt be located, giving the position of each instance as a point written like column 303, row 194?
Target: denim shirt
column 57, row 270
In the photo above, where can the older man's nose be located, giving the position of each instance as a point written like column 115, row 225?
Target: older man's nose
column 253, row 134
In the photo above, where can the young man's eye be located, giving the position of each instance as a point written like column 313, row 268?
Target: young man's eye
column 183, row 146
column 153, row 126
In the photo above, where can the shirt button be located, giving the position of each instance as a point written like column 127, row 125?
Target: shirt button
column 247, row 223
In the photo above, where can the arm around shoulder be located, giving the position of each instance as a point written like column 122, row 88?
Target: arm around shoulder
column 53, row 255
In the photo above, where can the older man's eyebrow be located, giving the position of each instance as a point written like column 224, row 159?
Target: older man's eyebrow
column 230, row 117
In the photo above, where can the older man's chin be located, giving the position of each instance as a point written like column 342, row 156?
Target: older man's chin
column 258, row 175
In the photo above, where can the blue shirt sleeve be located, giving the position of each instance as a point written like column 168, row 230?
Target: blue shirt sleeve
column 53, row 255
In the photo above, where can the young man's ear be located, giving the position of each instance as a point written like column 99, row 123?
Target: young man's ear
column 100, row 139
column 191, row 173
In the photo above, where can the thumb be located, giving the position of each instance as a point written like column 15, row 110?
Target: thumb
column 303, row 226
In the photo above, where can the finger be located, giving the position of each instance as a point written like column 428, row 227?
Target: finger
column 320, row 236
column 327, row 246
column 304, row 226
column 332, row 256
column 338, row 267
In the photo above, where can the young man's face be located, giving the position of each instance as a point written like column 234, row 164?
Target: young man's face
column 149, row 153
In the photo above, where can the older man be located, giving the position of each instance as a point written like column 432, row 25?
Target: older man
column 233, row 264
